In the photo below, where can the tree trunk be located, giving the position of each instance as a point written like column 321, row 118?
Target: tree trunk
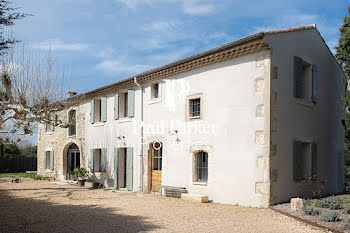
column 2, row 149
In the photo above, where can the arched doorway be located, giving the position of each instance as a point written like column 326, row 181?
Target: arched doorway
column 73, row 161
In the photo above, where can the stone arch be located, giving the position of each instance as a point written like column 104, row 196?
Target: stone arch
column 65, row 152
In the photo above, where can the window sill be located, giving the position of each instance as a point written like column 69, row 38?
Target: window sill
column 302, row 183
column 49, row 133
column 155, row 100
column 98, row 124
column 305, row 102
column 200, row 183
column 48, row 170
column 195, row 118
column 124, row 119
column 72, row 136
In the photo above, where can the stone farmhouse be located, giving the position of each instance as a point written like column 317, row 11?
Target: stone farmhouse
column 253, row 122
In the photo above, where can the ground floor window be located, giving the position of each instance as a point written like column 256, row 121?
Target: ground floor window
column 49, row 160
column 201, row 160
column 304, row 160
column 97, row 160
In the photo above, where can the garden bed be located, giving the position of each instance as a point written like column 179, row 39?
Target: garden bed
column 323, row 212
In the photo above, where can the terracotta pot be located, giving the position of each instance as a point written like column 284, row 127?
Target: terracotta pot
column 81, row 182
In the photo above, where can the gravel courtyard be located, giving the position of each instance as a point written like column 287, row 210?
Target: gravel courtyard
column 41, row 206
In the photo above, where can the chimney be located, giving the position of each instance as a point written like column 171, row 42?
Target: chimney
column 71, row 94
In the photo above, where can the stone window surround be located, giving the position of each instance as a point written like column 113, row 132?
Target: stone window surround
column 188, row 99
column 48, row 170
column 193, row 152
column 305, row 140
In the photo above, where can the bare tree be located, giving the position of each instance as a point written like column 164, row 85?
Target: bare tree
column 32, row 88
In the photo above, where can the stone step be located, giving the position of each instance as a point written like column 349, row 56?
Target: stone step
column 195, row 197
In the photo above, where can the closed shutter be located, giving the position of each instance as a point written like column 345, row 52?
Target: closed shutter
column 45, row 162
column 45, row 127
column 116, row 106
column 116, row 150
column 104, row 109
column 314, row 158
column 104, row 160
column 131, row 102
column 92, row 112
column 298, row 71
column 129, row 166
column 314, row 83
column 297, row 173
column 52, row 160
column 91, row 160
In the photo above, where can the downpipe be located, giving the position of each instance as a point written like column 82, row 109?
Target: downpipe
column 141, row 139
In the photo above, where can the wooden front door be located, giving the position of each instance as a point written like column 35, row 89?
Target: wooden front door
column 156, row 155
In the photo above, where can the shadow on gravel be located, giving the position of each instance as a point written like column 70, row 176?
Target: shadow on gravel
column 29, row 215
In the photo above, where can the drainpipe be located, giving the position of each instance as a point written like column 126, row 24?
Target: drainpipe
column 141, row 139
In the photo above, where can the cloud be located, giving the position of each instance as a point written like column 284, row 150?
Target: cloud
column 193, row 8
column 133, row 4
column 115, row 67
column 105, row 53
column 59, row 45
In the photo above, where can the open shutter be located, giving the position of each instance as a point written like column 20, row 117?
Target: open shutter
column 314, row 158
column 91, row 160
column 52, row 160
column 104, row 160
column 129, row 165
column 45, row 167
column 116, row 150
column 298, row 71
column 52, row 127
column 92, row 112
column 314, row 83
column 104, row 109
column 131, row 102
column 116, row 106
column 297, row 146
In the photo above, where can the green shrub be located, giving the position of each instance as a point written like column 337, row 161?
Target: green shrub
column 307, row 202
column 311, row 210
column 347, row 210
column 330, row 216
column 347, row 172
column 346, row 225
column 331, row 203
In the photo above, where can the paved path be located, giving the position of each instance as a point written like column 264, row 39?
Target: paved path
column 41, row 206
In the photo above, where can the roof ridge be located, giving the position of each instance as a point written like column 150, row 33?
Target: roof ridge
column 291, row 29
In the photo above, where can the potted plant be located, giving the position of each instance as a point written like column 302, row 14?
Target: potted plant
column 81, row 173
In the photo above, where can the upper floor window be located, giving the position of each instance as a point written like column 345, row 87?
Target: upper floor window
column 99, row 110
column 305, row 80
column 195, row 107
column 123, row 103
column 50, row 126
column 155, row 91
column 72, row 123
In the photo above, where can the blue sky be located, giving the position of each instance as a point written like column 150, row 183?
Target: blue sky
column 107, row 40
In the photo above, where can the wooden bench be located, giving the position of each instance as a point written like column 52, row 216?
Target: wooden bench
column 172, row 191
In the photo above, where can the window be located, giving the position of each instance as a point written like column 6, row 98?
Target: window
column 305, row 80
column 123, row 103
column 47, row 160
column 157, row 155
column 72, row 123
column 201, row 160
column 195, row 107
column 97, row 160
column 48, row 127
column 304, row 160
column 97, row 110
column 155, row 91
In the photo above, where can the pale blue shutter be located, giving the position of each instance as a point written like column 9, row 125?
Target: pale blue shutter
column 52, row 160
column 314, row 159
column 129, row 166
column 91, row 160
column 104, row 109
column 45, row 167
column 52, row 127
column 297, row 175
column 45, row 127
column 131, row 102
column 314, row 83
column 103, row 160
column 92, row 111
column 116, row 150
column 116, row 106
column 298, row 71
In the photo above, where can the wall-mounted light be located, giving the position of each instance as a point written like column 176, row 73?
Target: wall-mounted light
column 177, row 136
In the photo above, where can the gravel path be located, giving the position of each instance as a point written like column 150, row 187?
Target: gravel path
column 41, row 206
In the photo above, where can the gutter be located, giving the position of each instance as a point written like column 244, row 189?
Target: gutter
column 141, row 137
